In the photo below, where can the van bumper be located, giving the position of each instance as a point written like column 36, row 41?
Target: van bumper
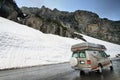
column 83, row 69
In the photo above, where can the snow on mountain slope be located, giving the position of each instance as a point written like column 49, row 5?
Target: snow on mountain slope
column 22, row 46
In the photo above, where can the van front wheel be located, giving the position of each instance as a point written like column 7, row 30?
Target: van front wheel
column 111, row 68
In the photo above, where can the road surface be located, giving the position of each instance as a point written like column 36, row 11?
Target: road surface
column 59, row 72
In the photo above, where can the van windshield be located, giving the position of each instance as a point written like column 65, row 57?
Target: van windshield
column 79, row 54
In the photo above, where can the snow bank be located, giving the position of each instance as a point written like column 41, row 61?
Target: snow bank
column 22, row 46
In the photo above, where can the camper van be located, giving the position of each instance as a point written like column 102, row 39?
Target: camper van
column 90, row 57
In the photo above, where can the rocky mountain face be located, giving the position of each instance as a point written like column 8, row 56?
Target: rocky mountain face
column 47, row 21
column 10, row 10
column 65, row 23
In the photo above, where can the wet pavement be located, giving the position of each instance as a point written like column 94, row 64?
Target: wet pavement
column 106, row 75
column 59, row 72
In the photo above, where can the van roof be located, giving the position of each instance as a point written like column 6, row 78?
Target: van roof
column 88, row 46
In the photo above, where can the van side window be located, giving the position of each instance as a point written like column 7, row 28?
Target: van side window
column 75, row 54
column 103, row 54
column 82, row 54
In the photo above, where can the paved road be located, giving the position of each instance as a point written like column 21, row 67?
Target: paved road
column 59, row 72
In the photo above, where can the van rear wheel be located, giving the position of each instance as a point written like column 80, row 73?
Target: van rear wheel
column 82, row 73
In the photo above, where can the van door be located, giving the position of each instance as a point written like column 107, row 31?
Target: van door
column 105, row 58
column 82, row 59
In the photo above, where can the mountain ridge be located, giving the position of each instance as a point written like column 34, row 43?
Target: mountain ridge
column 66, row 23
column 63, row 23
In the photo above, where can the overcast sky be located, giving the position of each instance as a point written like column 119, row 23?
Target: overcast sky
column 104, row 8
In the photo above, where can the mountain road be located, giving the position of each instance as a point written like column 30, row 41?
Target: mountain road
column 59, row 72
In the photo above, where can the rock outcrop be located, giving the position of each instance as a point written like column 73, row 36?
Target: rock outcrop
column 10, row 10
column 63, row 23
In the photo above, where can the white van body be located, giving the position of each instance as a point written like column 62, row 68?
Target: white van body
column 89, row 57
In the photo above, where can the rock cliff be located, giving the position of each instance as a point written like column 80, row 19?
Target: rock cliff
column 10, row 10
column 63, row 23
